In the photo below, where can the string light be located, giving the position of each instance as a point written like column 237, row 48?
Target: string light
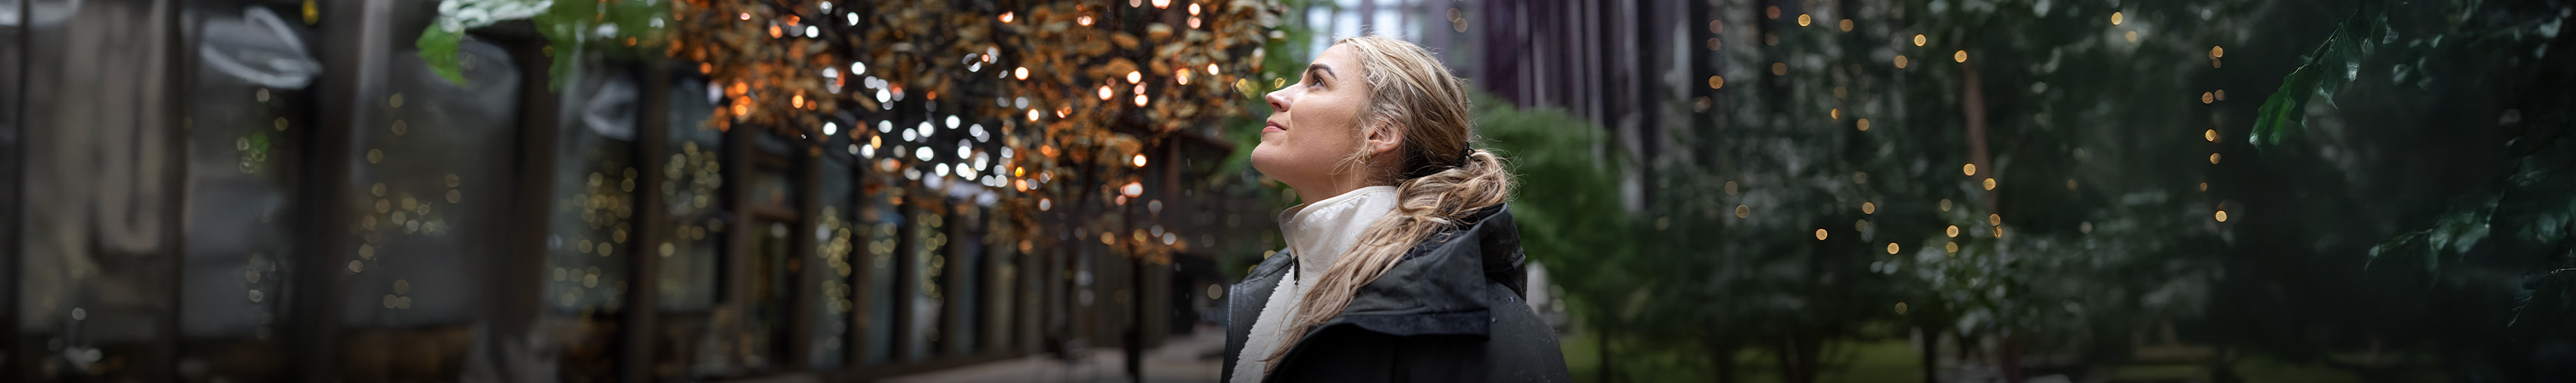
column 1021, row 73
column 2115, row 18
column 1820, row 234
column 1802, row 20
column 1900, row 61
column 1715, row 82
column 1919, row 40
column 1006, row 17
column 1968, row 169
column 1139, row 160
column 1961, row 56
column 1891, row 248
column 1135, row 77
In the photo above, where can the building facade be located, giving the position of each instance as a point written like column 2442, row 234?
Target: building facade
column 274, row 191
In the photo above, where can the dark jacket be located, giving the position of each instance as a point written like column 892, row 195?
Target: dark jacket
column 1450, row 311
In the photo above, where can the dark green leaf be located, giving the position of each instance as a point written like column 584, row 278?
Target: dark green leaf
column 438, row 47
column 2335, row 63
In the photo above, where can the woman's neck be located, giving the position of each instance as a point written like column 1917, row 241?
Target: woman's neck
column 1340, row 184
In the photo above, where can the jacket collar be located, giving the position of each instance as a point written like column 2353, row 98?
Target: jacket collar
column 1445, row 283
column 1444, row 286
column 1321, row 232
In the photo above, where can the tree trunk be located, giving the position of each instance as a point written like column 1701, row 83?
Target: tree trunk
column 1601, row 345
column 1929, row 341
column 2011, row 358
column 1972, row 102
column 1797, row 356
column 1721, row 360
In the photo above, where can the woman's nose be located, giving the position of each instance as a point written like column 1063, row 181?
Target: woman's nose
column 1279, row 100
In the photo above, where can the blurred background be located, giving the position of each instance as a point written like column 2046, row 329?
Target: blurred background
column 1057, row 190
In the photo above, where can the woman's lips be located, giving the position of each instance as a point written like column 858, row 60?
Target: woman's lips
column 1273, row 127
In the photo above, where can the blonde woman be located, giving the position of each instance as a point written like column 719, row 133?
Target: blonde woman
column 1402, row 264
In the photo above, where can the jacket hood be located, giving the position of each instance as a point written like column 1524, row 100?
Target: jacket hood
column 1454, row 299
column 1442, row 286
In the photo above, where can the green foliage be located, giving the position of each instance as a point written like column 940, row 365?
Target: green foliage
column 572, row 28
column 2335, row 63
column 1568, row 205
column 438, row 46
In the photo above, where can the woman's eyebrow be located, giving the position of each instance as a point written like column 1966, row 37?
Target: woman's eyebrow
column 1318, row 67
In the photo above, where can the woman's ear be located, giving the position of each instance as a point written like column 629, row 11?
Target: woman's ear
column 1382, row 137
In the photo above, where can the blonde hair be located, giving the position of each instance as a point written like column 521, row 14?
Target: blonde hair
column 1439, row 181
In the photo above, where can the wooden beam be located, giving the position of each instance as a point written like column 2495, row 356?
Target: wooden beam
column 353, row 62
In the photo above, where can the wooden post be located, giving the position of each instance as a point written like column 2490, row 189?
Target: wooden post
column 353, row 68
column 644, row 274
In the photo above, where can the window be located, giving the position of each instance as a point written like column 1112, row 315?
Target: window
column 431, row 188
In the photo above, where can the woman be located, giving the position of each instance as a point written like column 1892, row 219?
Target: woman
column 1408, row 267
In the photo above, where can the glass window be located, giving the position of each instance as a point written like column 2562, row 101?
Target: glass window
column 768, row 331
column 431, row 184
column 925, row 295
column 835, row 235
column 100, row 168
column 240, row 231
column 588, row 243
column 884, row 218
column 686, row 288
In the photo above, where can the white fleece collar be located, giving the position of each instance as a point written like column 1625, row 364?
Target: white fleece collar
column 1320, row 232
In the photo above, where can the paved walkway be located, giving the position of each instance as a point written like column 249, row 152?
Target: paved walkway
column 1181, row 359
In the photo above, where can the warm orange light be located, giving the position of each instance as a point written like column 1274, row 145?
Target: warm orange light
column 1140, row 160
column 1021, row 72
column 1135, row 77
column 1006, row 17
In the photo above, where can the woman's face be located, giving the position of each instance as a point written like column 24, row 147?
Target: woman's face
column 1315, row 124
